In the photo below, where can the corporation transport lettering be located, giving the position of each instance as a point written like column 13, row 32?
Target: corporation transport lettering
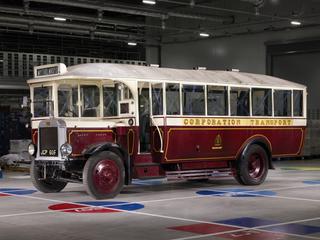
column 236, row 122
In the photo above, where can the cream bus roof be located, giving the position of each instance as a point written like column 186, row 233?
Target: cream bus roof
column 134, row 72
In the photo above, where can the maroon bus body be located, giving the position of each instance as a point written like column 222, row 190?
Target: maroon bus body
column 193, row 147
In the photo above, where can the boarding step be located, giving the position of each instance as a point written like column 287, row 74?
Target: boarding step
column 199, row 174
column 143, row 158
column 148, row 170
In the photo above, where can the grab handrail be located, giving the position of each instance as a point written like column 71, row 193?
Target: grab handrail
column 160, row 135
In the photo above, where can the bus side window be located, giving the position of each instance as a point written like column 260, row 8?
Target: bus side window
column 193, row 100
column 90, row 96
column 173, row 98
column 298, row 103
column 157, row 99
column 261, row 102
column 217, row 98
column 67, row 100
column 282, row 103
column 239, row 101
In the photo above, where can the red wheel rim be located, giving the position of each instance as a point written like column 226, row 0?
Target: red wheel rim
column 106, row 176
column 256, row 165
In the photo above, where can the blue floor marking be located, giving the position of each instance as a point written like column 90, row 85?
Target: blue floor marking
column 17, row 191
column 236, row 193
column 115, row 205
column 312, row 182
column 294, row 229
column 248, row 222
column 148, row 182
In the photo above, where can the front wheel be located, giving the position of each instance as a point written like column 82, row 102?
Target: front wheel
column 103, row 175
column 252, row 167
column 48, row 185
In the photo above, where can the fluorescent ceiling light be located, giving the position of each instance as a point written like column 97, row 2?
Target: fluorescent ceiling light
column 152, row 2
column 60, row 19
column 296, row 23
column 132, row 44
column 203, row 34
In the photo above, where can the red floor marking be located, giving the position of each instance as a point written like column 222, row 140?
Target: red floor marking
column 204, row 228
column 253, row 235
column 78, row 208
column 4, row 195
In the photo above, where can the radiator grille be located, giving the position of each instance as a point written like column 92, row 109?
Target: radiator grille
column 48, row 141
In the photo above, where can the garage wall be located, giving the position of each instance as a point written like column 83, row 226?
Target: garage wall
column 247, row 52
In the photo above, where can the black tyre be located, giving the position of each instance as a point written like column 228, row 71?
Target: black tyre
column 46, row 185
column 252, row 167
column 103, row 175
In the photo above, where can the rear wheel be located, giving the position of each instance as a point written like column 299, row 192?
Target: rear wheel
column 48, row 185
column 252, row 167
column 103, row 175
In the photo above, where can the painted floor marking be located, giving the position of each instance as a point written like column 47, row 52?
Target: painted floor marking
column 17, row 191
column 219, row 192
column 254, row 235
column 139, row 202
column 204, row 228
column 312, row 182
column 248, row 222
column 260, row 228
column 236, row 192
column 301, row 168
column 96, row 207
column 153, row 182
column 170, row 217
column 274, row 225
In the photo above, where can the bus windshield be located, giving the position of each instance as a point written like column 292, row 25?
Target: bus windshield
column 43, row 103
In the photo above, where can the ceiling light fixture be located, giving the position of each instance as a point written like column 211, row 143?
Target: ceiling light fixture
column 132, row 43
column 61, row 19
column 203, row 34
column 151, row 2
column 296, row 23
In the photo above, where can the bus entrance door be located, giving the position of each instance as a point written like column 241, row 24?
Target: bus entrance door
column 144, row 117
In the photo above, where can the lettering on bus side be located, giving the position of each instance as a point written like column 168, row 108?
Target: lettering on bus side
column 236, row 122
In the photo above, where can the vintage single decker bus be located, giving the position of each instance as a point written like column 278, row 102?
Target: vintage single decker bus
column 105, row 124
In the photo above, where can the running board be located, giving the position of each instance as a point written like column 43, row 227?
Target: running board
column 199, row 174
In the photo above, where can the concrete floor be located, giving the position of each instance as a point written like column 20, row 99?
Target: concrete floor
column 286, row 206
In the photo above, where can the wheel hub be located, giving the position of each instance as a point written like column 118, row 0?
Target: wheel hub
column 106, row 176
column 255, row 165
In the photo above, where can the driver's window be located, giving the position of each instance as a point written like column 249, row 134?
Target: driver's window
column 42, row 101
column 110, row 100
column 90, row 101
column 68, row 100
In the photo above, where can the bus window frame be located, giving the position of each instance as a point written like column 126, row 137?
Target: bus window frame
column 133, row 87
column 250, row 100
column 164, row 102
column 227, row 89
column 54, row 96
column 204, row 95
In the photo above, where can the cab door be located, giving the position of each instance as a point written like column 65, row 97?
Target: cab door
column 144, row 117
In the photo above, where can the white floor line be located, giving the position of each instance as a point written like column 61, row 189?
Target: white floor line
column 165, row 217
column 178, row 198
column 244, row 192
column 240, row 230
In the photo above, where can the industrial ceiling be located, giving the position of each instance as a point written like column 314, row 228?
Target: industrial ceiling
column 166, row 21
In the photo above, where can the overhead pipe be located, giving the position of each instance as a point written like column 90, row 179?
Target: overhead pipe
column 147, row 12
column 207, row 7
column 61, row 27
column 20, row 11
column 14, row 10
